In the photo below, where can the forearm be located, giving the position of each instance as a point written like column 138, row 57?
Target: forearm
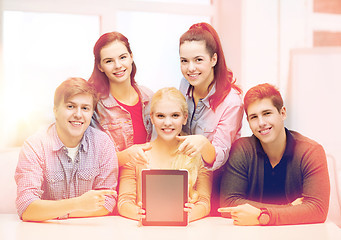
column 129, row 210
column 233, row 201
column 135, row 154
column 202, row 206
column 122, row 157
column 198, row 211
column 42, row 210
column 208, row 152
column 305, row 213
column 88, row 204
column 309, row 211
column 96, row 213
column 127, row 198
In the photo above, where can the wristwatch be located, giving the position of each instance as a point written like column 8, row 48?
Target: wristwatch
column 264, row 217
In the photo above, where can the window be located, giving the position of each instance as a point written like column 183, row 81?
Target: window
column 154, row 39
column 207, row 2
column 329, row 12
column 40, row 51
column 47, row 42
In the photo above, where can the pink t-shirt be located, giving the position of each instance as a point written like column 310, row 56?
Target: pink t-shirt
column 140, row 133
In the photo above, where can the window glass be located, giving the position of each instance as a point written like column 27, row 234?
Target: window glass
column 154, row 40
column 40, row 51
column 207, row 2
column 327, row 6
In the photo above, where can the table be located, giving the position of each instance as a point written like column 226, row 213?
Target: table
column 119, row 228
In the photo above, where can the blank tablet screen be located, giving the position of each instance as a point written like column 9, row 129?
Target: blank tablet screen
column 164, row 194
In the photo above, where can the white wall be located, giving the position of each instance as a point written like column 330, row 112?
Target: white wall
column 1, row 51
column 314, row 93
column 257, row 35
column 227, row 20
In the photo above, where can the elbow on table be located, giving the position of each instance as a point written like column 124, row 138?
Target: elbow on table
column 322, row 218
column 26, row 217
column 28, row 214
column 320, row 214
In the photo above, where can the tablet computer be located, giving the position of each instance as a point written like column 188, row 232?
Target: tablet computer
column 164, row 194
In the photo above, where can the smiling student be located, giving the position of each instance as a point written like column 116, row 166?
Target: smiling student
column 67, row 169
column 168, row 114
column 123, row 108
column 214, row 101
column 276, row 176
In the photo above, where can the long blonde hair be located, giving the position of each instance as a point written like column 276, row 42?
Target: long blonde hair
column 191, row 164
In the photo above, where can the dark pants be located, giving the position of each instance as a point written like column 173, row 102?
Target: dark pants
column 215, row 196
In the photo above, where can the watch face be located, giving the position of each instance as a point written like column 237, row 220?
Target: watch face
column 264, row 218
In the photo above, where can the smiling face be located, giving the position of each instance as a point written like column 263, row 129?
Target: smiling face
column 73, row 117
column 116, row 62
column 168, row 118
column 266, row 122
column 197, row 66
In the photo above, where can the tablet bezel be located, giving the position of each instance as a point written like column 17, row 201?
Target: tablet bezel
column 184, row 174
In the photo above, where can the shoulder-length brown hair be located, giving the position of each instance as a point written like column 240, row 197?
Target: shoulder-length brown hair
column 98, row 79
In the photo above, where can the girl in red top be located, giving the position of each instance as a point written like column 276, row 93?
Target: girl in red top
column 123, row 108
